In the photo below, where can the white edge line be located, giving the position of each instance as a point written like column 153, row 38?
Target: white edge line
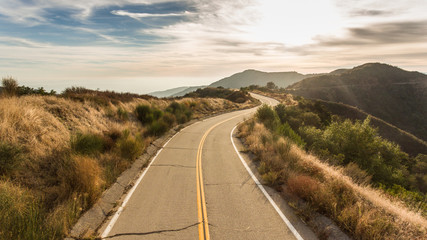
column 132, row 190
column 257, row 182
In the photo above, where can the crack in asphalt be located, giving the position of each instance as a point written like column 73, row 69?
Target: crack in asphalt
column 172, row 165
column 180, row 148
column 152, row 232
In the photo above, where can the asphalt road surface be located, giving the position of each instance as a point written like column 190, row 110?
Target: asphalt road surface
column 198, row 188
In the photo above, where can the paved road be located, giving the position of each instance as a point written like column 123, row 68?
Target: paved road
column 198, row 188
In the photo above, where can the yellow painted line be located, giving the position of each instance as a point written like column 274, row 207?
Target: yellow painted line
column 201, row 202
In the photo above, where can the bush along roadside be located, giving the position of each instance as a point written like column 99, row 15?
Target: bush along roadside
column 357, row 146
column 159, row 122
column 72, row 180
column 337, row 183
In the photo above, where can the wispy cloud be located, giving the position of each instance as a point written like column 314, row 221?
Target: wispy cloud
column 146, row 15
column 370, row 13
column 381, row 34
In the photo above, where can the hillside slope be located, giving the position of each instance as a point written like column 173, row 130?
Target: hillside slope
column 59, row 153
column 253, row 77
column 168, row 92
column 186, row 90
column 390, row 93
column 409, row 143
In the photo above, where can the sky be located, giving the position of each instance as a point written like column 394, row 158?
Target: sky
column 142, row 46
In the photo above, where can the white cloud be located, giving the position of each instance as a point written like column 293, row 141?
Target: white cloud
column 146, row 15
column 32, row 13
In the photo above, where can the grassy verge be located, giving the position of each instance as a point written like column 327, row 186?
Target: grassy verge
column 345, row 193
column 58, row 153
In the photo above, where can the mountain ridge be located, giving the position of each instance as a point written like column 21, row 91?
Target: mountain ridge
column 395, row 95
column 255, row 77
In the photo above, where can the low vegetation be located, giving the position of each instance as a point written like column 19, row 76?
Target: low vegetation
column 240, row 96
column 58, row 153
column 366, row 184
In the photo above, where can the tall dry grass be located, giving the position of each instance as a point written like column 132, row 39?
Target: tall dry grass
column 362, row 211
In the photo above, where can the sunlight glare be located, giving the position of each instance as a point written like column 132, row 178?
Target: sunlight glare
column 295, row 22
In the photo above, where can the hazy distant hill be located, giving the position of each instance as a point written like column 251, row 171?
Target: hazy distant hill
column 339, row 71
column 390, row 93
column 242, row 79
column 167, row 93
column 254, row 77
column 175, row 92
column 186, row 90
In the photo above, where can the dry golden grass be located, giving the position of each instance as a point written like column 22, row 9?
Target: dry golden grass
column 365, row 212
column 88, row 177
column 28, row 125
column 374, row 196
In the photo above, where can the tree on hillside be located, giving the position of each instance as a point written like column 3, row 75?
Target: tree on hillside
column 10, row 86
column 271, row 85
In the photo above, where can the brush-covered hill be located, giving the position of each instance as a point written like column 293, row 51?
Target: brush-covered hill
column 408, row 142
column 175, row 92
column 186, row 90
column 254, row 77
column 390, row 93
column 209, row 92
column 168, row 92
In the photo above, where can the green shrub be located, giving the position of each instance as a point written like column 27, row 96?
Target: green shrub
column 306, row 113
column 311, row 119
column 130, row 147
column 181, row 111
column 419, row 169
column 169, row 119
column 311, row 135
column 267, row 116
column 347, row 142
column 144, row 114
column 157, row 128
column 122, row 114
column 157, row 114
column 173, row 107
column 281, row 112
column 10, row 157
column 87, row 143
column 286, row 130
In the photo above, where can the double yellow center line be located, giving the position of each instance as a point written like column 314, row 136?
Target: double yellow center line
column 201, row 202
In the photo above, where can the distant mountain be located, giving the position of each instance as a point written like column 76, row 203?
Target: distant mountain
column 339, row 71
column 175, row 92
column 167, row 93
column 186, row 90
column 390, row 93
column 242, row 79
column 254, row 77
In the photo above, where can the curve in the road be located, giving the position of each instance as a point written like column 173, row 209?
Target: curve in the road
column 162, row 181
